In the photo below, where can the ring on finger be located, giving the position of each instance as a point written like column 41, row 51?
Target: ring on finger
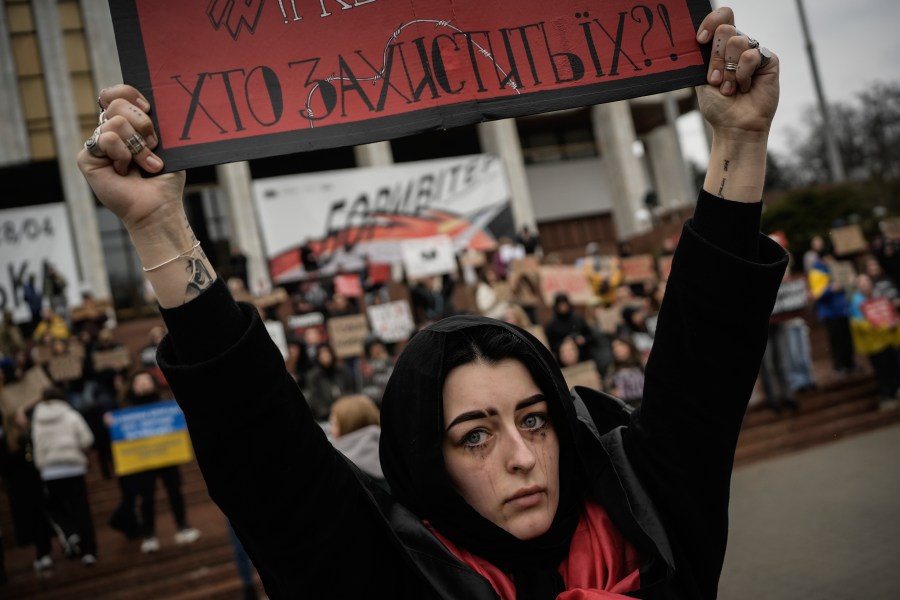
column 765, row 55
column 135, row 143
column 103, row 119
column 753, row 43
column 731, row 66
column 91, row 144
column 100, row 104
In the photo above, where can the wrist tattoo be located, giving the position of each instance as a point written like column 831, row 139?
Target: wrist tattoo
column 199, row 277
column 727, row 162
column 722, row 187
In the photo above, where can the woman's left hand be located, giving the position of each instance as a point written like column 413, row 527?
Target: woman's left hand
column 741, row 103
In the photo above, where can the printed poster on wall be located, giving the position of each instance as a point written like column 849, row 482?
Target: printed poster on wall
column 31, row 236
column 239, row 79
column 349, row 214
column 149, row 437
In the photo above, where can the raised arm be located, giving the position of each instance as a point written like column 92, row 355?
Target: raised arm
column 150, row 208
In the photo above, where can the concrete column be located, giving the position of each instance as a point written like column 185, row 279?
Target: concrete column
column 234, row 180
column 67, row 137
column 14, row 146
column 615, row 135
column 101, row 41
column 377, row 154
column 670, row 174
column 502, row 139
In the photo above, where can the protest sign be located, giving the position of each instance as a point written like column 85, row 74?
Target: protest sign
column 65, row 367
column 348, row 285
column 233, row 80
column 880, row 313
column 637, row 269
column 427, row 257
column 299, row 323
column 392, row 321
column 848, row 240
column 584, row 374
column 147, row 437
column 792, row 297
column 27, row 390
column 30, row 237
column 843, row 273
column 117, row 359
column 347, row 334
column 890, row 228
column 349, row 215
column 565, row 279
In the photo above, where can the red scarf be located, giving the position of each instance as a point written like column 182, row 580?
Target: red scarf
column 601, row 564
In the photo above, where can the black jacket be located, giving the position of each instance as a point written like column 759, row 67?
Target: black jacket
column 314, row 525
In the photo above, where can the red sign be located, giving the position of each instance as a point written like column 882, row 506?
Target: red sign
column 348, row 285
column 238, row 79
column 880, row 313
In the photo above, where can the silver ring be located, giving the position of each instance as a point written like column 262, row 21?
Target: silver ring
column 765, row 55
column 135, row 144
column 102, row 118
column 731, row 66
column 91, row 144
column 753, row 43
column 100, row 104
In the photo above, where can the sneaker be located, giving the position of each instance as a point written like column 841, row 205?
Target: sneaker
column 44, row 563
column 72, row 546
column 88, row 560
column 188, row 535
column 149, row 545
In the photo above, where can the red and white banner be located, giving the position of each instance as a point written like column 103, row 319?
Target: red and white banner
column 238, row 79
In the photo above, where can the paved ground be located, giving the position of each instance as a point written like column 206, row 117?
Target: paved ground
column 822, row 523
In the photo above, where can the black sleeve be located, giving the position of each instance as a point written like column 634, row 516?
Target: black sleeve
column 297, row 506
column 711, row 334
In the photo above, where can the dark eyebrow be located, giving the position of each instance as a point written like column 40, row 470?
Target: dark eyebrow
column 480, row 414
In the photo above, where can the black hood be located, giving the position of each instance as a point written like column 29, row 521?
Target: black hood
column 412, row 456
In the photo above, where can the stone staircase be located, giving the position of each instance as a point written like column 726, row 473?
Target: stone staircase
column 205, row 569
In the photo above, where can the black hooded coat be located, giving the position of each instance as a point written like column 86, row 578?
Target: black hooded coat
column 317, row 527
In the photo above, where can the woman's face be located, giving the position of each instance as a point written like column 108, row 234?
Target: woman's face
column 621, row 350
column 500, row 449
column 568, row 352
column 324, row 357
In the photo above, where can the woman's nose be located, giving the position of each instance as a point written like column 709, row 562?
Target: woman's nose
column 520, row 453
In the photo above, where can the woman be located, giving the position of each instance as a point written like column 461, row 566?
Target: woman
column 501, row 485
column 327, row 381
column 625, row 377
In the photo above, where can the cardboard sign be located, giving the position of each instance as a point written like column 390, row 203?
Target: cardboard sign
column 849, row 240
column 348, row 285
column 391, row 322
column 239, row 79
column 149, row 437
column 25, row 391
column 608, row 319
column 637, row 269
column 843, row 273
column 347, row 334
column 890, row 228
column 880, row 313
column 792, row 297
column 66, row 367
column 568, row 279
column 117, row 359
column 584, row 374
column 427, row 257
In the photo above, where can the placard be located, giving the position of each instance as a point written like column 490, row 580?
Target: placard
column 234, row 80
column 849, row 240
column 392, row 321
column 25, row 391
column 348, row 285
column 584, row 374
column 116, row 359
column 638, row 268
column 880, row 313
column 347, row 334
column 566, row 279
column 793, row 296
column 843, row 274
column 149, row 437
column 427, row 257
column 65, row 367
column 890, row 228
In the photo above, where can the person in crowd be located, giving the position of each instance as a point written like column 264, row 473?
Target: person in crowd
column 501, row 483
column 31, row 293
column 51, row 324
column 147, row 354
column 833, row 309
column 529, row 240
column 777, row 390
column 143, row 391
column 789, row 332
column 625, row 377
column 103, row 386
column 634, row 327
column 567, row 353
column 815, row 253
column 489, row 297
column 566, row 322
column 11, row 339
column 355, row 429
column 602, row 272
column 876, row 334
column 882, row 285
column 375, row 368
column 327, row 381
column 54, row 289
column 61, row 439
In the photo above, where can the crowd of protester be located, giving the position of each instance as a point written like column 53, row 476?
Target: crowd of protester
column 609, row 335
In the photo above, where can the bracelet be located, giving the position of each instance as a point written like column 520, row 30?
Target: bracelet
column 173, row 259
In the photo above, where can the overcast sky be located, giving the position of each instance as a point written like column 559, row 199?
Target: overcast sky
column 856, row 43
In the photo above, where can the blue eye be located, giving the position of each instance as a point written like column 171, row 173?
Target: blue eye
column 474, row 438
column 534, row 421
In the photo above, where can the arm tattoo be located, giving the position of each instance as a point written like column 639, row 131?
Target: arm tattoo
column 199, row 278
column 724, row 179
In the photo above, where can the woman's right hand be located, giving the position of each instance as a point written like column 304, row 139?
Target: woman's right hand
column 140, row 202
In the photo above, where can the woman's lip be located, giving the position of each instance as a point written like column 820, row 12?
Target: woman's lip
column 526, row 497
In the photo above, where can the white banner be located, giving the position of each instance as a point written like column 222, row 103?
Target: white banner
column 429, row 256
column 392, row 321
column 348, row 214
column 29, row 237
